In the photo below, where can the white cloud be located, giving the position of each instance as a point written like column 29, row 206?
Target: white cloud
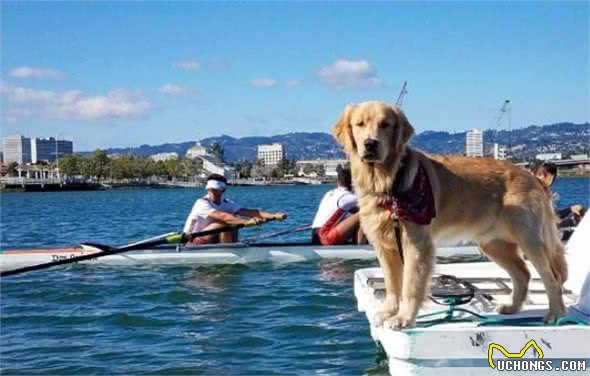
column 171, row 89
column 292, row 83
column 74, row 104
column 263, row 82
column 349, row 74
column 187, row 65
column 30, row 72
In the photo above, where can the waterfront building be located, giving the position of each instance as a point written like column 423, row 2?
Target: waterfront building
column 50, row 149
column 164, row 156
column 16, row 148
column 499, row 152
column 330, row 166
column 211, row 164
column 474, row 143
column 545, row 157
column 270, row 154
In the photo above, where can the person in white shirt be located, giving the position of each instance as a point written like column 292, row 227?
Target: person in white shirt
column 213, row 211
column 337, row 220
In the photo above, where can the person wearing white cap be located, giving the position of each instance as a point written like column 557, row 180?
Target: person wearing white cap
column 213, row 211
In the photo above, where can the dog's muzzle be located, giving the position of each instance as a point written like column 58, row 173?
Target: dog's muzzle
column 371, row 150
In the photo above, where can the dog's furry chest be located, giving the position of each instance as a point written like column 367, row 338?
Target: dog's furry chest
column 376, row 220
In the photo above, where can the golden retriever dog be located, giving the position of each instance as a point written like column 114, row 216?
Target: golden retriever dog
column 496, row 204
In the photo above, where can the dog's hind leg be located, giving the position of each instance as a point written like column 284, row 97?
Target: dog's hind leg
column 540, row 256
column 506, row 255
column 418, row 251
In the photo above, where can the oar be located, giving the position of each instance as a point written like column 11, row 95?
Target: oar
column 293, row 230
column 107, row 250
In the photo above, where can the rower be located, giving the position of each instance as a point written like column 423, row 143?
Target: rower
column 337, row 220
column 212, row 211
column 570, row 216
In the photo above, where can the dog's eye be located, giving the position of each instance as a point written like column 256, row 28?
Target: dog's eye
column 360, row 124
column 383, row 124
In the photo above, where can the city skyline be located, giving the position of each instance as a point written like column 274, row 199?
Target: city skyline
column 22, row 149
column 78, row 71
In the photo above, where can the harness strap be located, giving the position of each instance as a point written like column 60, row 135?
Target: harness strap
column 398, row 237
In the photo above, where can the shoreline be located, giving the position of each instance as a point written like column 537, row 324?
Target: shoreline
column 90, row 186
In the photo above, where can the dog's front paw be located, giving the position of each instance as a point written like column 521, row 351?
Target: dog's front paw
column 507, row 309
column 381, row 317
column 388, row 309
column 400, row 321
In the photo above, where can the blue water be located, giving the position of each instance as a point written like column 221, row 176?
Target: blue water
column 295, row 318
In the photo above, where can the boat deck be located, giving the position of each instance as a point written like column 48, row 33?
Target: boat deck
column 461, row 347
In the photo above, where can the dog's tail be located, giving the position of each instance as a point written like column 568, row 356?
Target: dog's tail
column 555, row 248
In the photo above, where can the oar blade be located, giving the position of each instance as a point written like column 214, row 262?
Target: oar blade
column 95, row 246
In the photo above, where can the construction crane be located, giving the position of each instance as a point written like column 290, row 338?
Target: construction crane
column 504, row 112
column 402, row 94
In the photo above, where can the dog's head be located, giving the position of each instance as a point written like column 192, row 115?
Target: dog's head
column 373, row 131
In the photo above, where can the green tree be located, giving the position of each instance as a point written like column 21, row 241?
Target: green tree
column 217, row 151
column 244, row 168
column 125, row 167
column 98, row 165
column 12, row 169
column 320, row 169
column 308, row 169
column 71, row 165
column 174, row 168
column 192, row 167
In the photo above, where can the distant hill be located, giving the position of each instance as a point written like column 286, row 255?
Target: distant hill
column 568, row 138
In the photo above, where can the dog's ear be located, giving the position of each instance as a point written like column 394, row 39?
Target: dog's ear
column 407, row 130
column 342, row 130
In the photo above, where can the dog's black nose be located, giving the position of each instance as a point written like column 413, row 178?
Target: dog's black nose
column 371, row 145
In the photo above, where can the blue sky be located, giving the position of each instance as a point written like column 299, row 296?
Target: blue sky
column 122, row 74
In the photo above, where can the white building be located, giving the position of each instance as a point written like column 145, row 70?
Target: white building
column 16, row 149
column 50, row 149
column 271, row 154
column 474, row 143
column 499, row 152
column 330, row 165
column 211, row 165
column 196, row 151
column 163, row 156
column 214, row 166
column 548, row 157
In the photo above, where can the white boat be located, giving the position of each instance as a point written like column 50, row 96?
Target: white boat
column 465, row 344
column 237, row 253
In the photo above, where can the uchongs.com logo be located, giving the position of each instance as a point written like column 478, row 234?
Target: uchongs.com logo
column 515, row 361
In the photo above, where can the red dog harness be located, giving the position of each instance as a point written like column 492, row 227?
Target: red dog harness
column 415, row 204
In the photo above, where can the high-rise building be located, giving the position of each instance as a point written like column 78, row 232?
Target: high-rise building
column 50, row 149
column 499, row 152
column 271, row 154
column 474, row 143
column 17, row 149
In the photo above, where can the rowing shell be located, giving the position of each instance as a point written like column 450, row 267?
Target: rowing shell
column 238, row 253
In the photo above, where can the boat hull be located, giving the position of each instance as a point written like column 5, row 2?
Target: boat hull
column 204, row 255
